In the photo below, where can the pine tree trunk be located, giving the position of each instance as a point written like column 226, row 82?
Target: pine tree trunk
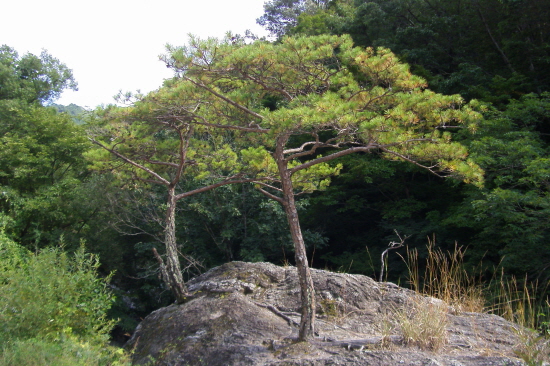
column 307, row 290
column 173, row 277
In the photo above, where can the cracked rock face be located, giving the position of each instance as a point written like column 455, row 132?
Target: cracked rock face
column 245, row 314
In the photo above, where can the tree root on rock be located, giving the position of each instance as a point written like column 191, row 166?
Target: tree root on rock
column 275, row 311
column 359, row 344
column 353, row 344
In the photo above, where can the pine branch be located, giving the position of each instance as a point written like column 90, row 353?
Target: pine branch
column 159, row 180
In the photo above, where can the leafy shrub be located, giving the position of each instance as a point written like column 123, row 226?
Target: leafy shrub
column 53, row 308
column 51, row 293
column 67, row 352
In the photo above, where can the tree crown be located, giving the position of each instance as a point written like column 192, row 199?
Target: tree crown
column 32, row 78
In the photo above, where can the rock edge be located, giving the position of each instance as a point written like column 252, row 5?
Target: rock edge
column 245, row 314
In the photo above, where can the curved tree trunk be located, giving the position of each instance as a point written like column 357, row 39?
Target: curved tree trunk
column 307, row 290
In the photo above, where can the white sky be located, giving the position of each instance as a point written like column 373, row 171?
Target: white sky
column 114, row 45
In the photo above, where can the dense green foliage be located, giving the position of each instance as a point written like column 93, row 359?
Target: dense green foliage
column 69, row 352
column 491, row 50
column 42, row 169
column 32, row 78
column 54, row 303
column 49, row 294
column 495, row 51
column 46, row 190
column 509, row 217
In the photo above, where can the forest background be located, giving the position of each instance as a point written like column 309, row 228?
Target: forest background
column 494, row 51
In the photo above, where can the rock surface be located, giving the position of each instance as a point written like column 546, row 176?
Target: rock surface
column 245, row 314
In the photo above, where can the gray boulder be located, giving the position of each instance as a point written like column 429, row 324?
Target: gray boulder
column 246, row 314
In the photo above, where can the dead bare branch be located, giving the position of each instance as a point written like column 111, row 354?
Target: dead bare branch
column 392, row 246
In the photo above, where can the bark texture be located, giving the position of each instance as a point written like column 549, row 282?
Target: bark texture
column 174, row 278
column 307, row 289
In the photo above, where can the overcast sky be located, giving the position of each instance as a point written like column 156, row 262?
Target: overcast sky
column 114, row 45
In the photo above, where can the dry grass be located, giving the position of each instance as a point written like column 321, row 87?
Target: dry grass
column 532, row 348
column 446, row 279
column 516, row 302
column 513, row 301
column 387, row 327
column 423, row 324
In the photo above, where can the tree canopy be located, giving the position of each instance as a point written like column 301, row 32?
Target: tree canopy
column 310, row 100
column 41, row 162
column 492, row 50
column 32, row 78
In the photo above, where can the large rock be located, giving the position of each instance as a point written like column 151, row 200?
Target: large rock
column 246, row 314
